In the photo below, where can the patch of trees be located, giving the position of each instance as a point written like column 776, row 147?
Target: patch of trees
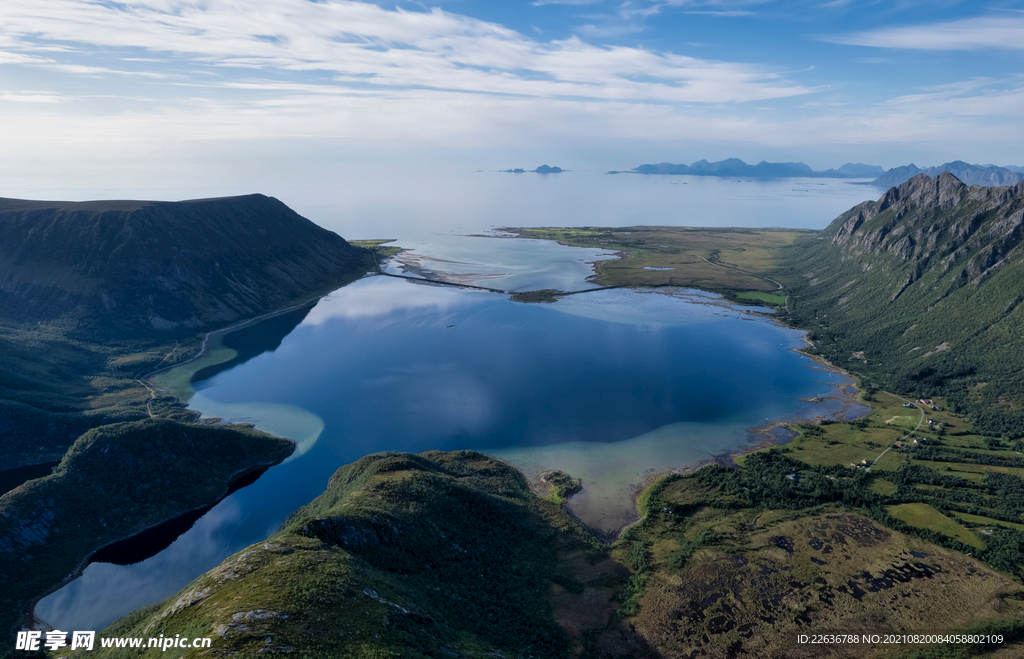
column 775, row 480
column 947, row 454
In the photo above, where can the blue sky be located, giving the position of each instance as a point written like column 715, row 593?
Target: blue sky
column 90, row 88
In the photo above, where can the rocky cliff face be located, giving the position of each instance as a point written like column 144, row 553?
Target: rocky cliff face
column 142, row 266
column 939, row 223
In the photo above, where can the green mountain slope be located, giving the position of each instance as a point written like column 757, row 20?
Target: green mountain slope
column 127, row 268
column 114, row 482
column 431, row 555
column 449, row 555
column 921, row 291
column 95, row 295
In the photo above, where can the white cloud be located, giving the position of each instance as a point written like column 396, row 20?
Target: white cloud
column 732, row 13
column 361, row 43
column 540, row 3
column 29, row 97
column 20, row 58
column 981, row 97
column 146, row 77
column 969, row 34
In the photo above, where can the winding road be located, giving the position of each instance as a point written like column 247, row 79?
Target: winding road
column 907, row 434
column 743, row 271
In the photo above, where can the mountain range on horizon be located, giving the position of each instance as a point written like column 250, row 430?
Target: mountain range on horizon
column 986, row 175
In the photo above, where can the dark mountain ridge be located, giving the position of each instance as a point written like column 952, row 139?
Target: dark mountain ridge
column 94, row 295
column 152, row 470
column 921, row 291
column 139, row 266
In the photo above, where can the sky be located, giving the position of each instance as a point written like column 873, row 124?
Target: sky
column 175, row 92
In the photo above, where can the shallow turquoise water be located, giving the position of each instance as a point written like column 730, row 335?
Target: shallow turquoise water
column 609, row 385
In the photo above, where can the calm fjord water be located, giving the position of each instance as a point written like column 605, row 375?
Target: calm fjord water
column 607, row 385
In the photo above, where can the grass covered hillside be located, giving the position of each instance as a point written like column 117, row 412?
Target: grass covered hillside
column 920, row 291
column 114, row 482
column 431, row 555
column 94, row 295
column 123, row 268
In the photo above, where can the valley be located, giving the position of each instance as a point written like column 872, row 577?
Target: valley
column 910, row 518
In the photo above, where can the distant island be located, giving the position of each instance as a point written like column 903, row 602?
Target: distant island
column 987, row 175
column 735, row 167
column 543, row 169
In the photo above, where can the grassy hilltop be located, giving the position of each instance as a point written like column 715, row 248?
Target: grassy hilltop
column 432, row 555
column 451, row 555
column 122, row 269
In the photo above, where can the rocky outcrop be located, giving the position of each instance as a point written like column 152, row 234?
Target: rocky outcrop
column 941, row 218
column 357, row 532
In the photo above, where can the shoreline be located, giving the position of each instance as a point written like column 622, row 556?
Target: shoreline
column 765, row 432
column 204, row 344
column 763, row 436
column 30, row 618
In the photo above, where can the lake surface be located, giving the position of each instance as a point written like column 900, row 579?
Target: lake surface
column 609, row 386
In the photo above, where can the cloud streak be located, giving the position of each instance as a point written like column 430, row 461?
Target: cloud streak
column 1005, row 33
column 361, row 43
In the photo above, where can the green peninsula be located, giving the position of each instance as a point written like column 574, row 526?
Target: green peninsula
column 114, row 482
